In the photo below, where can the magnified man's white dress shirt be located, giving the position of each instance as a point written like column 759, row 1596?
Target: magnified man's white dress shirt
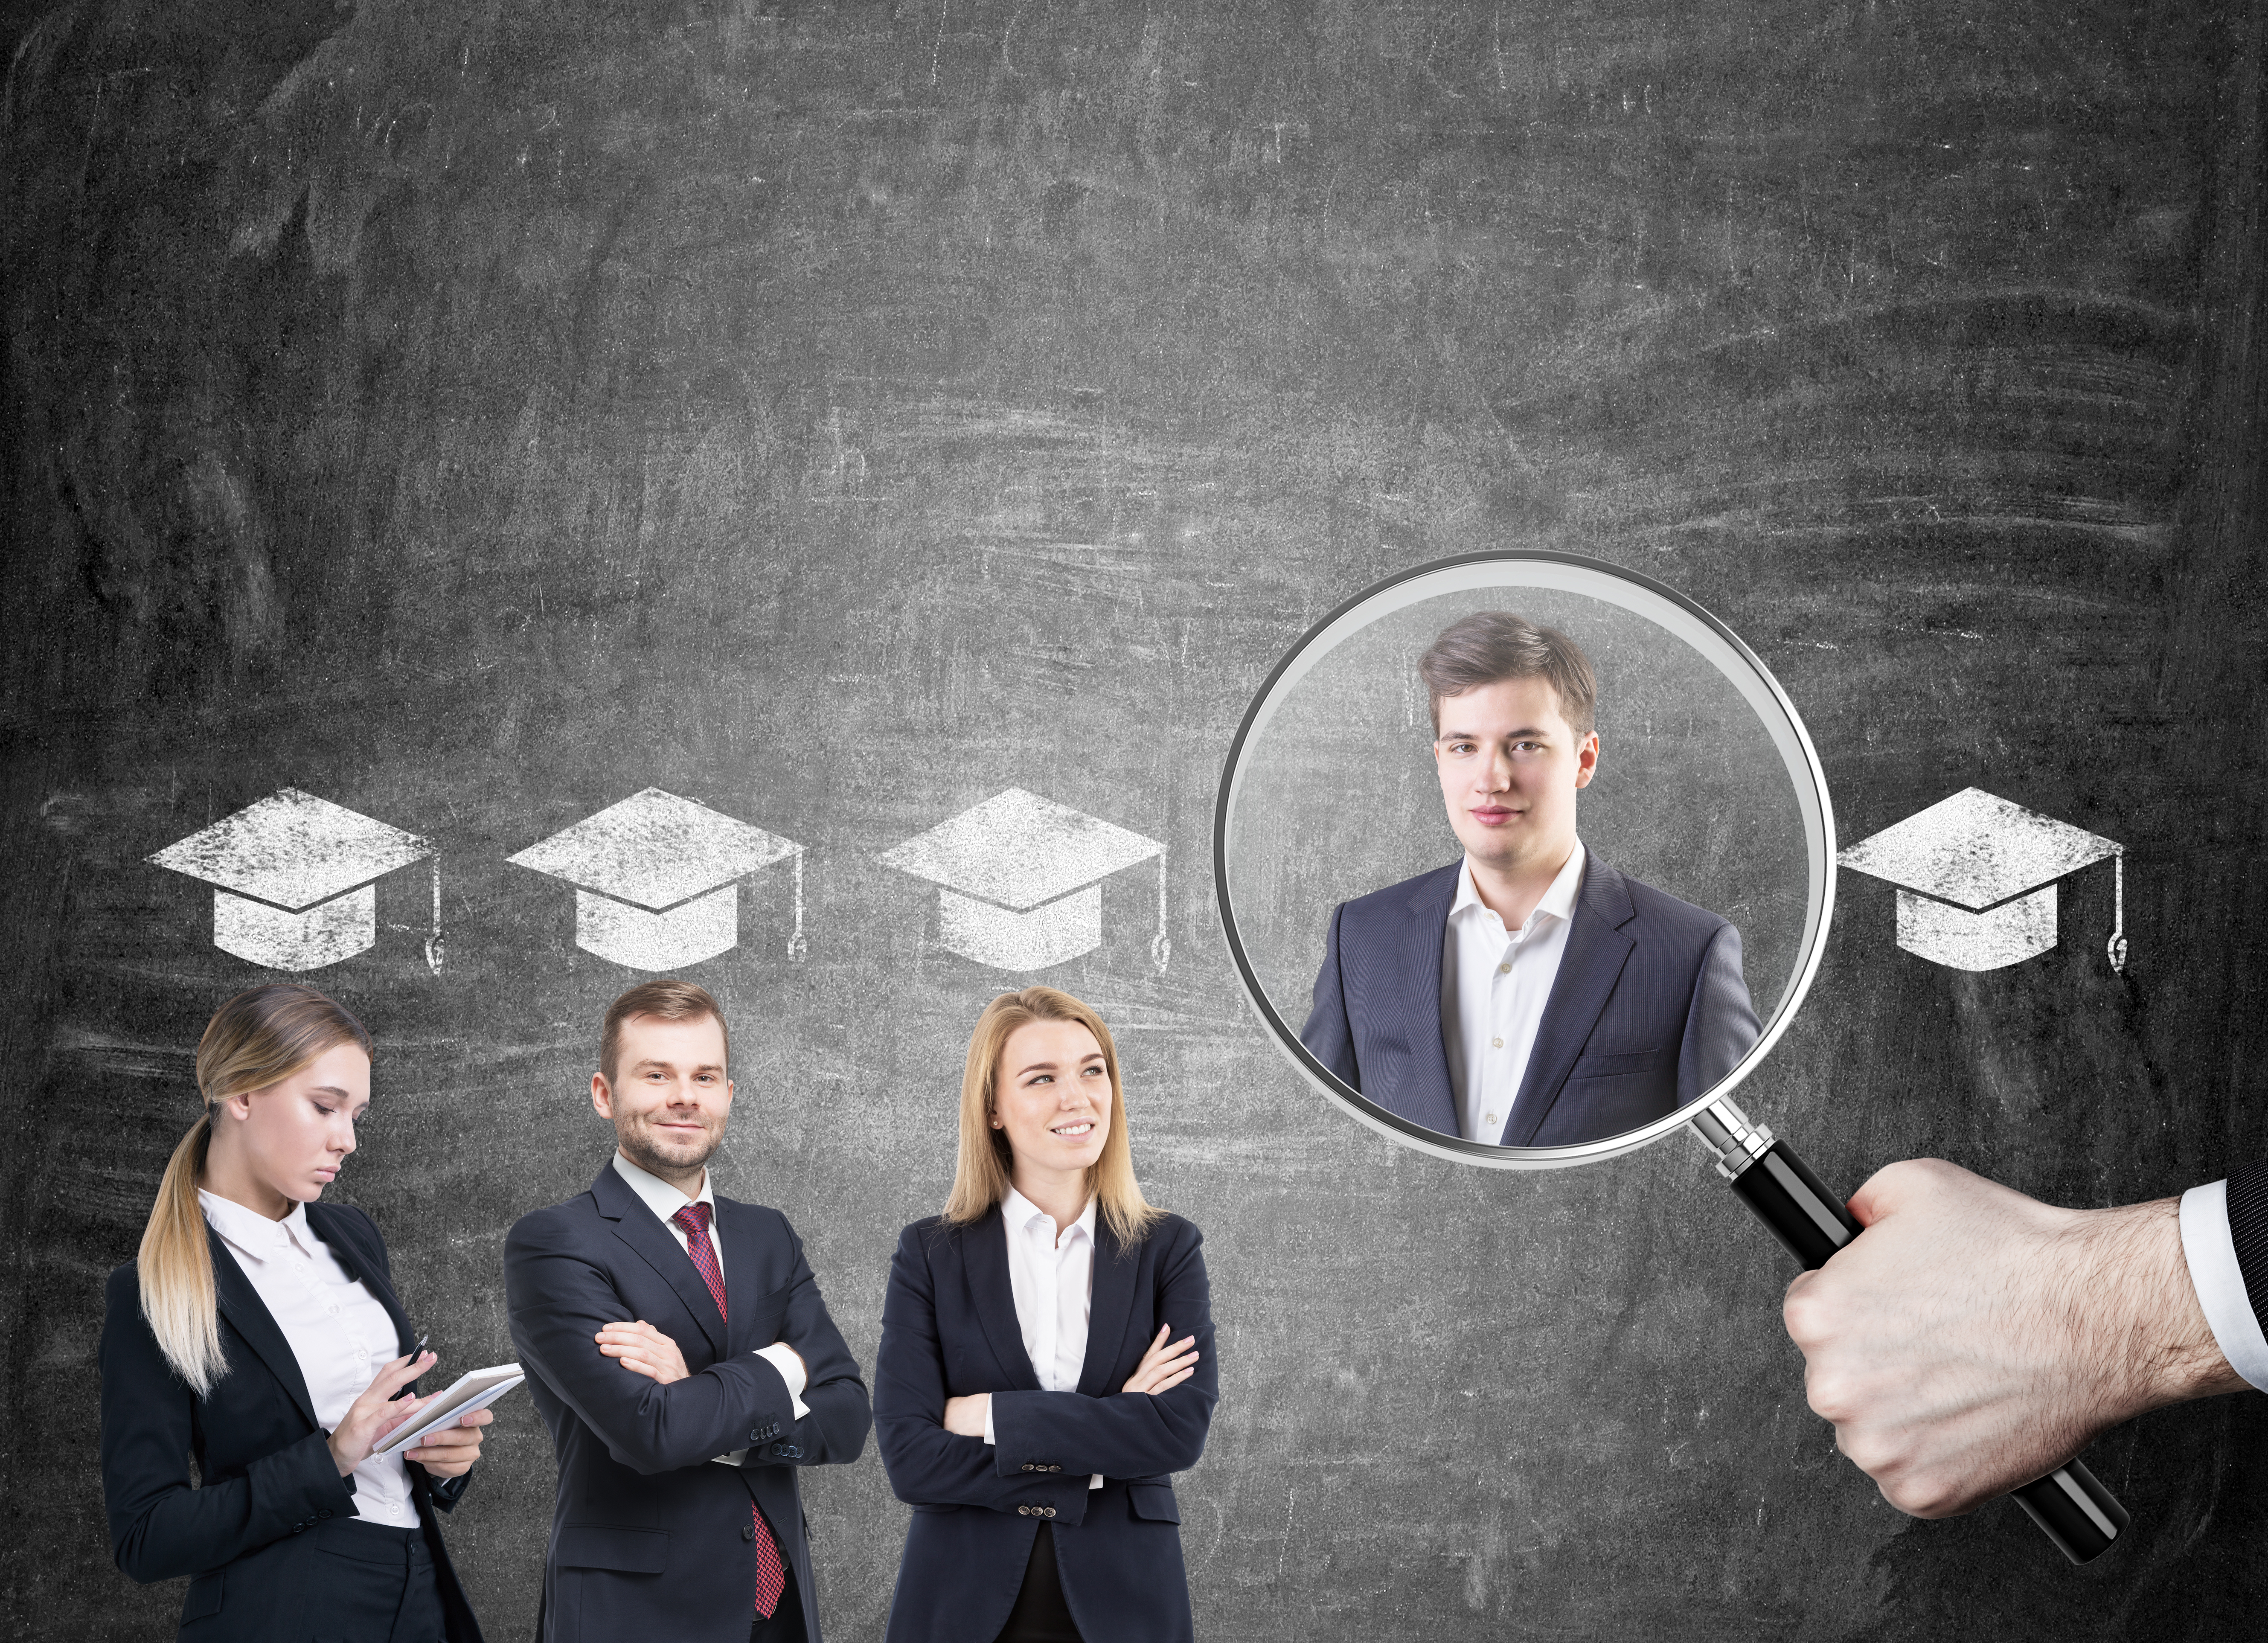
column 1494, row 985
column 1053, row 1281
column 339, row 1332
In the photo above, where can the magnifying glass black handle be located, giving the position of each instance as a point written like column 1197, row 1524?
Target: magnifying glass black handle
column 2070, row 1504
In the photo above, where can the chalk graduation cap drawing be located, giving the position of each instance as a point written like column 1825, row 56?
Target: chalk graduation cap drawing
column 295, row 880
column 658, row 877
column 1018, row 879
column 1976, row 879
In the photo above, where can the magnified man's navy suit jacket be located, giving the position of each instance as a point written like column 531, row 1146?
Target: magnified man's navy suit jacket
column 1648, row 1011
column 650, row 1537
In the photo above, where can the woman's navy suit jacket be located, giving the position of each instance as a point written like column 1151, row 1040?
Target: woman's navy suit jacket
column 263, row 1463
column 949, row 1329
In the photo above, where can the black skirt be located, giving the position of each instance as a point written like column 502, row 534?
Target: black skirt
column 1040, row 1615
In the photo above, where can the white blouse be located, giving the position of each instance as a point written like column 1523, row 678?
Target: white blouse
column 339, row 1332
column 1052, row 1279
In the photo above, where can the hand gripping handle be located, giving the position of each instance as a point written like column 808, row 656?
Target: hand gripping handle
column 2070, row 1504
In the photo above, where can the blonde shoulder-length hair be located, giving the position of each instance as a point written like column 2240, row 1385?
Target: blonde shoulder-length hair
column 981, row 1176
column 256, row 1040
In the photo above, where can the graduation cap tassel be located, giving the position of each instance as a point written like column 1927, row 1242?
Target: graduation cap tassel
column 1161, row 950
column 2119, row 911
column 433, row 941
column 798, row 948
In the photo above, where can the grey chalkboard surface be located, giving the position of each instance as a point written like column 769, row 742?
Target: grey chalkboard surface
column 837, row 415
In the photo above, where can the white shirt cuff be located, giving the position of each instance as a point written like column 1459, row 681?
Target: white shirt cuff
column 988, row 1420
column 783, row 1358
column 2211, row 1256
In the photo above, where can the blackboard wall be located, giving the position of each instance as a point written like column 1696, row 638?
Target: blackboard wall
column 838, row 414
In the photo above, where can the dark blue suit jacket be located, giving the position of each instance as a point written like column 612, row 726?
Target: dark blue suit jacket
column 264, row 1466
column 949, row 1331
column 649, row 1535
column 1648, row 1011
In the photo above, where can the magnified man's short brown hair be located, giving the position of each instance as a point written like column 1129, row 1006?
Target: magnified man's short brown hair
column 665, row 1001
column 1489, row 647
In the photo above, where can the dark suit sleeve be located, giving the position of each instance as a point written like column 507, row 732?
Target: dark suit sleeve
column 834, row 1432
column 1125, row 1435
column 1328, row 1035
column 1721, row 1023
column 445, row 1492
column 160, row 1527
column 558, row 1299
column 928, row 1465
column 2248, row 1230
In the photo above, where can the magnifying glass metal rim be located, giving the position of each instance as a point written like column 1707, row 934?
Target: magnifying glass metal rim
column 1820, row 890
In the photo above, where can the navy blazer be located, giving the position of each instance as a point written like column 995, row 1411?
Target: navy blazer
column 649, row 1535
column 1648, row 1011
column 949, row 1329
column 264, row 1466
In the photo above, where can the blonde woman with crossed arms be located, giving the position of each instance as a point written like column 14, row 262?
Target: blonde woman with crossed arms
column 1046, row 1359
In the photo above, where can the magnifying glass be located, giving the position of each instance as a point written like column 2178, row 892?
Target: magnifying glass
column 1453, row 711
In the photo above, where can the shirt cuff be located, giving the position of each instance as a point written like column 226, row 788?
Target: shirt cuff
column 988, row 1420
column 783, row 1358
column 2211, row 1252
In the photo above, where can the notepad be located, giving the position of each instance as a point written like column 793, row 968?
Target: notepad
column 476, row 1390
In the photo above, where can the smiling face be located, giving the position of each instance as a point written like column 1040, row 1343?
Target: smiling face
column 289, row 1139
column 1051, row 1099
column 670, row 1095
column 1510, row 766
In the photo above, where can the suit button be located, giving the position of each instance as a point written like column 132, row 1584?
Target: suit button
column 748, row 1530
column 1055, row 1469
column 1023, row 1511
column 326, row 1512
column 1047, row 1511
column 1026, row 1467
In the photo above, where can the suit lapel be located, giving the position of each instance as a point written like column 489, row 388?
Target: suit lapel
column 735, row 1230
column 642, row 1230
column 332, row 1229
column 984, row 1258
column 241, row 1305
column 1428, row 1099
column 1589, row 966
column 1111, row 1306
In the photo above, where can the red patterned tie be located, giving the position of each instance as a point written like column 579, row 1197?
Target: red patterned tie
column 772, row 1579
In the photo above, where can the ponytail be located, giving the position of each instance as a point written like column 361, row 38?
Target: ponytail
column 177, row 1271
column 255, row 1040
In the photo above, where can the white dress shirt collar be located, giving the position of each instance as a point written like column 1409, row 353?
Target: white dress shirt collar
column 259, row 1236
column 659, row 1196
column 1020, row 1213
column 1559, row 901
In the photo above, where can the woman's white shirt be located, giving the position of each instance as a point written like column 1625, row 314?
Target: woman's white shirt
column 339, row 1332
column 1052, row 1279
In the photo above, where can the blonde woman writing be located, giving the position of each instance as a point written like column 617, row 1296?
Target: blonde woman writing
column 258, row 1331
column 1046, row 1360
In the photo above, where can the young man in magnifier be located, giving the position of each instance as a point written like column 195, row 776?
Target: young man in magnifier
column 1529, row 995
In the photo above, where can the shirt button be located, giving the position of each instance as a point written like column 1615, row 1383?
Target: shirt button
column 1504, row 969
column 1488, row 1119
column 1496, row 1043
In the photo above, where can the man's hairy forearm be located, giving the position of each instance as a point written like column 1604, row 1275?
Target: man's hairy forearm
column 1972, row 1340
